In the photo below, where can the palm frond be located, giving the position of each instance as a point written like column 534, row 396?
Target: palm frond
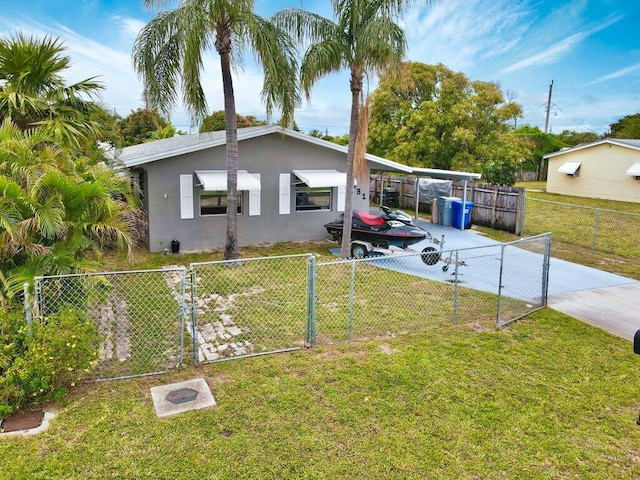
column 275, row 52
column 320, row 59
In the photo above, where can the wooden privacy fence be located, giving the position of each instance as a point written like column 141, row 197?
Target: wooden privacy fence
column 495, row 206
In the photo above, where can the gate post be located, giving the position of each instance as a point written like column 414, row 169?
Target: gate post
column 311, row 304
column 545, row 270
column 182, row 310
column 455, row 289
column 500, row 286
column 27, row 308
column 194, row 319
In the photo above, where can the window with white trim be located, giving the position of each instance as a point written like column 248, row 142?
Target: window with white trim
column 215, row 203
column 308, row 199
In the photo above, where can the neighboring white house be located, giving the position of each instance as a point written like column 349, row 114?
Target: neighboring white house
column 608, row 168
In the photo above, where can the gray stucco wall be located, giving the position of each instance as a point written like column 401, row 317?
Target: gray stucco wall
column 269, row 156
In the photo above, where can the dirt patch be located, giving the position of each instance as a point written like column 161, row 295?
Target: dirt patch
column 387, row 349
column 112, row 320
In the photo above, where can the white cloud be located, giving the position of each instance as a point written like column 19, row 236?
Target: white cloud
column 617, row 74
column 554, row 52
column 461, row 36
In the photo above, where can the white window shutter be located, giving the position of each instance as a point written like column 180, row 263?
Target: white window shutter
column 186, row 196
column 285, row 193
column 254, row 199
column 342, row 190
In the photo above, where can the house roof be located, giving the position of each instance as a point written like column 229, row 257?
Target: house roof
column 621, row 142
column 182, row 144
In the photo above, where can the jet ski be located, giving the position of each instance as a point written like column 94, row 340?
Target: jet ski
column 377, row 231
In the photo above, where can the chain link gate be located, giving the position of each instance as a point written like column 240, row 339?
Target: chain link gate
column 251, row 307
column 524, row 278
column 139, row 316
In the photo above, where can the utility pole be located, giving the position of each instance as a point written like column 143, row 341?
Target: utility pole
column 546, row 122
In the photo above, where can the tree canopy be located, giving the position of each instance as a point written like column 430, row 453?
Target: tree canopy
column 626, row 127
column 430, row 116
column 138, row 125
column 215, row 122
column 61, row 205
column 33, row 91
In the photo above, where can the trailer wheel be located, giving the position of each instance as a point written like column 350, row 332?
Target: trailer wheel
column 430, row 256
column 358, row 250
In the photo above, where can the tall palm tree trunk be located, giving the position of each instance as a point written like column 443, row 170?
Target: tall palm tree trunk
column 356, row 90
column 223, row 46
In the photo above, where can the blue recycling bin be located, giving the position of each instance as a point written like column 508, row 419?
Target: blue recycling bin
column 457, row 213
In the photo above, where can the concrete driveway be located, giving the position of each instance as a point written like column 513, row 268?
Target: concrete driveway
column 615, row 309
column 602, row 299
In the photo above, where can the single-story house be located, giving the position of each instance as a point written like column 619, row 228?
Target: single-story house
column 608, row 168
column 289, row 185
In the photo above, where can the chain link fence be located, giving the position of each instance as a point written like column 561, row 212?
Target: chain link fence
column 249, row 306
column 152, row 321
column 392, row 294
column 138, row 314
column 598, row 229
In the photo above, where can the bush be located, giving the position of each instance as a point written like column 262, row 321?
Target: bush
column 502, row 172
column 41, row 362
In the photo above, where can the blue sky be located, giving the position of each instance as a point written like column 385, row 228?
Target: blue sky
column 590, row 49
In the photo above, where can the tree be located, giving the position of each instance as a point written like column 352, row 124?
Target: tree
column 570, row 138
column 364, row 39
column 137, row 127
column 167, row 131
column 168, row 53
column 215, row 122
column 626, row 127
column 431, row 116
column 33, row 92
column 58, row 209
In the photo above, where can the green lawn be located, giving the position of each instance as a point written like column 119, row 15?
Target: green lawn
column 545, row 398
column 617, row 239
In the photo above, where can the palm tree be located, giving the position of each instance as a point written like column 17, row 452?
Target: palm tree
column 168, row 54
column 33, row 92
column 57, row 209
column 363, row 39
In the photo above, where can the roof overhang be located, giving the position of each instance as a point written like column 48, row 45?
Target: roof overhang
column 630, row 144
column 570, row 168
column 321, row 178
column 634, row 171
column 216, row 180
column 445, row 174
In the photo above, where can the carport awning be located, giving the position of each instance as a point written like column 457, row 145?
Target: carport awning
column 212, row 180
column 322, row 178
column 570, row 168
column 634, row 171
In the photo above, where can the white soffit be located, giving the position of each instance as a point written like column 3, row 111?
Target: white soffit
column 212, row 180
column 322, row 178
column 570, row 168
column 634, row 171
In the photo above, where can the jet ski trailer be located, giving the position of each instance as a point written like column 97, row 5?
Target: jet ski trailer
column 376, row 234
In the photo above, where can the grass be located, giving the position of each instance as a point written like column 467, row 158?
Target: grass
column 546, row 398
column 617, row 244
